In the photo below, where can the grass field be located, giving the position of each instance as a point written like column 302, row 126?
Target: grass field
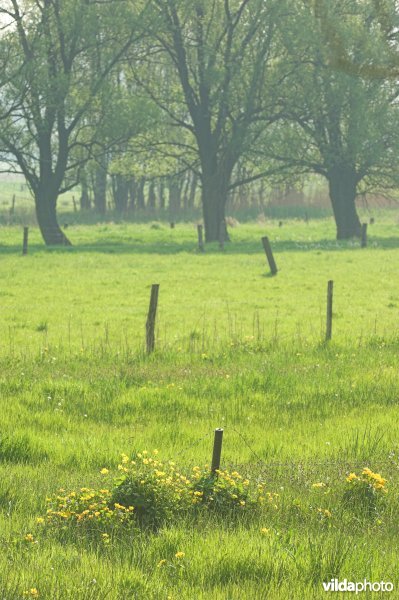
column 236, row 348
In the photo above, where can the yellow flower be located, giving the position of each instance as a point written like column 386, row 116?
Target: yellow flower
column 318, row 485
column 242, row 502
column 29, row 537
column 179, row 554
column 33, row 593
column 104, row 471
column 125, row 458
column 265, row 531
column 162, row 562
column 351, row 477
column 40, row 520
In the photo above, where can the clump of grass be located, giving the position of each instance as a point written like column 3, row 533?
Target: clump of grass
column 19, row 449
column 42, row 327
column 366, row 493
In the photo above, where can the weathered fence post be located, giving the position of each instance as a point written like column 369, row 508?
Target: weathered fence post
column 25, row 241
column 217, row 450
column 280, row 223
column 330, row 287
column 269, row 255
column 172, row 225
column 200, row 239
column 75, row 207
column 364, row 235
column 152, row 313
column 372, row 220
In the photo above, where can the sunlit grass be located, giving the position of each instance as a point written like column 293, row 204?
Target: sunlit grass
column 236, row 349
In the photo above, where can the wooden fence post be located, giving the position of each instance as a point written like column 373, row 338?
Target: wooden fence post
column 152, row 313
column 330, row 288
column 75, row 207
column 25, row 241
column 217, row 450
column 364, row 236
column 172, row 225
column 200, row 239
column 372, row 220
column 269, row 255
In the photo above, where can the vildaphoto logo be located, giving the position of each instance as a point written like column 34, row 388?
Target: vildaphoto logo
column 357, row 586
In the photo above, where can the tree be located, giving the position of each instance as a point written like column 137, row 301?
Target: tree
column 210, row 71
column 336, row 124
column 63, row 53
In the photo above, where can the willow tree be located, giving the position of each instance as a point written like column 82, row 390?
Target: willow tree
column 337, row 124
column 62, row 52
column 219, row 58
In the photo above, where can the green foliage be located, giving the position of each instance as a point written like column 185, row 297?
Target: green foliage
column 366, row 493
column 156, row 491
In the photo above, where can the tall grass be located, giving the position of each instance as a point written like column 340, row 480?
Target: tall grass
column 235, row 349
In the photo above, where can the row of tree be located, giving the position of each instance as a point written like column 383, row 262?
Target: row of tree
column 224, row 91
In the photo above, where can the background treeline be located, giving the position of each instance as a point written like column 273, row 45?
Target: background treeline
column 175, row 104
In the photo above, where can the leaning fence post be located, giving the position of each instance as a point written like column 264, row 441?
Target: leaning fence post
column 25, row 241
column 200, row 239
column 330, row 287
column 364, row 235
column 269, row 255
column 152, row 313
column 217, row 450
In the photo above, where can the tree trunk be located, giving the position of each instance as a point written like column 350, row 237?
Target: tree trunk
column 162, row 201
column 193, row 189
column 342, row 182
column 84, row 196
column 120, row 188
column 100, row 187
column 174, row 197
column 151, row 195
column 214, row 198
column 132, row 194
column 140, row 194
column 47, row 219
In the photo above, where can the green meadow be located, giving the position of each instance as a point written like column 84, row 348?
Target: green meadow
column 235, row 348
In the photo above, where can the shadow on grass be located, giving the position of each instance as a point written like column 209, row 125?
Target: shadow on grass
column 137, row 246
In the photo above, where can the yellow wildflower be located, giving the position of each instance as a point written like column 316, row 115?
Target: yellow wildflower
column 179, row 554
column 33, row 593
column 29, row 537
column 40, row 520
column 162, row 562
column 265, row 531
column 103, row 471
column 318, row 485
